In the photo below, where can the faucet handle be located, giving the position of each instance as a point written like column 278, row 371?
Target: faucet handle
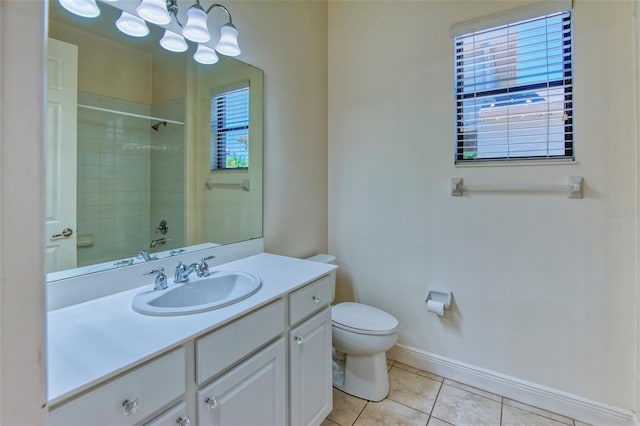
column 204, row 267
column 161, row 278
column 180, row 269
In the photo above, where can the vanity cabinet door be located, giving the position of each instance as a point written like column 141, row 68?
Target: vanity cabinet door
column 252, row 393
column 310, row 370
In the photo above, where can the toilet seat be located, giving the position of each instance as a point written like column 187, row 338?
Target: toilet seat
column 363, row 319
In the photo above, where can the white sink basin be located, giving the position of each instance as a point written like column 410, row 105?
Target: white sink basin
column 221, row 288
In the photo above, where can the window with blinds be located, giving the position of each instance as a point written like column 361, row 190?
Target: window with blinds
column 230, row 130
column 514, row 91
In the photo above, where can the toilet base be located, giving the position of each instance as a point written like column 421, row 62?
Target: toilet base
column 365, row 376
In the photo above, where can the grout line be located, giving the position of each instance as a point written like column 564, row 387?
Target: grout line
column 408, row 406
column 443, row 421
column 501, row 408
column 435, row 401
column 538, row 414
column 360, row 413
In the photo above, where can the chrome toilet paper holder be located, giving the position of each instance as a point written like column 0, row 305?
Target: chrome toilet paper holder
column 442, row 296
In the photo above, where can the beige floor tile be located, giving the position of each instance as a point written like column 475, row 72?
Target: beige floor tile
column 390, row 364
column 538, row 411
column 471, row 389
column 346, row 408
column 327, row 422
column 412, row 390
column 437, row 422
column 462, row 408
column 390, row 413
column 512, row 416
column 418, row 371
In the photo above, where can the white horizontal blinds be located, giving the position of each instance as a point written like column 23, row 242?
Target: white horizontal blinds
column 514, row 91
column 230, row 130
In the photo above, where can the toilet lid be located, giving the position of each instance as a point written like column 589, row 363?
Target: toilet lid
column 363, row 319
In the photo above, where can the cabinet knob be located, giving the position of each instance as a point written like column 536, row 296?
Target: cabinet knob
column 129, row 407
column 211, row 402
column 299, row 340
column 183, row 421
column 316, row 299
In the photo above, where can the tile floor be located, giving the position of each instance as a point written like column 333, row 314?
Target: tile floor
column 417, row 397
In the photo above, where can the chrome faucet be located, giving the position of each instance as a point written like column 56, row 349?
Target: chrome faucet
column 161, row 279
column 157, row 241
column 146, row 256
column 183, row 271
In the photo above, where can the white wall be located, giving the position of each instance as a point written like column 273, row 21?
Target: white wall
column 22, row 369
column 288, row 40
column 544, row 285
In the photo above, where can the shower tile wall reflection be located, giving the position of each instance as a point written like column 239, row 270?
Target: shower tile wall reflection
column 167, row 174
column 114, row 180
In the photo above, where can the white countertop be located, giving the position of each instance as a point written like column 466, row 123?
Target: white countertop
column 95, row 340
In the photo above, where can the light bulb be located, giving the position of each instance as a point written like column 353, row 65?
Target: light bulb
column 132, row 25
column 84, row 8
column 205, row 55
column 154, row 11
column 228, row 43
column 196, row 27
column 173, row 42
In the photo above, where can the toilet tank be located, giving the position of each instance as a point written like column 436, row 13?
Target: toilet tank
column 323, row 258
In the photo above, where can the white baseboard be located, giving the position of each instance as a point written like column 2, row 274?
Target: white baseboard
column 566, row 404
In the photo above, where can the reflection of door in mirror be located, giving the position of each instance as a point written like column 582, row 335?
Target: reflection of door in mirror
column 62, row 65
column 130, row 148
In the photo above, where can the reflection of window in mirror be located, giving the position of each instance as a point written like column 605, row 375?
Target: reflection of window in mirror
column 230, row 129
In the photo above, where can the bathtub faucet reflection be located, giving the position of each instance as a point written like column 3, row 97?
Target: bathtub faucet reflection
column 158, row 242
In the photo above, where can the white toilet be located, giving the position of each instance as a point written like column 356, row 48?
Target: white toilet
column 361, row 336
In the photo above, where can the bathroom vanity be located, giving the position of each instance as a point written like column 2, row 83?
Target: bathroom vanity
column 265, row 360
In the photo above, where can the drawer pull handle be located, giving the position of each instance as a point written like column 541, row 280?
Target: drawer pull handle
column 299, row 340
column 316, row 299
column 211, row 402
column 183, row 421
column 129, row 407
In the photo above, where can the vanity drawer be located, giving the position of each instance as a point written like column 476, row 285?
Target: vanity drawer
column 176, row 416
column 128, row 399
column 225, row 346
column 311, row 298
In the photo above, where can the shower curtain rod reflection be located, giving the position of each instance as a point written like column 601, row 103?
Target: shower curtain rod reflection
column 130, row 114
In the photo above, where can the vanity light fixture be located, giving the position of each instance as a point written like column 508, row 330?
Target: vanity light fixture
column 197, row 31
column 84, row 8
column 205, row 55
column 154, row 11
column 132, row 25
column 160, row 12
column 173, row 42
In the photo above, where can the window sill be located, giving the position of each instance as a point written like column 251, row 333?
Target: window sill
column 517, row 163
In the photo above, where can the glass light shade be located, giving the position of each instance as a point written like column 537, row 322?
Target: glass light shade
column 84, row 8
column 132, row 25
column 173, row 42
column 205, row 55
column 228, row 43
column 196, row 26
column 154, row 11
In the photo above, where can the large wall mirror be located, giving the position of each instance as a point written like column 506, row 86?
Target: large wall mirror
column 149, row 154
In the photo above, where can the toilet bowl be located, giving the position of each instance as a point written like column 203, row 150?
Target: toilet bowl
column 361, row 336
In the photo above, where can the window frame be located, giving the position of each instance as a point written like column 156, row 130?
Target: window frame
column 566, row 81
column 221, row 165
